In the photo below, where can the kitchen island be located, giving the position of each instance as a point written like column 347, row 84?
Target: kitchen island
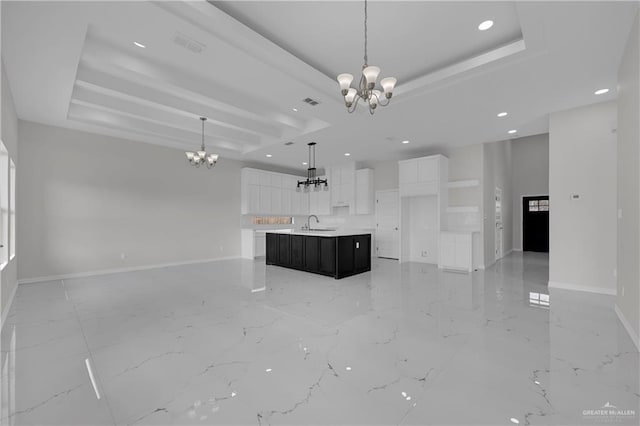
column 336, row 253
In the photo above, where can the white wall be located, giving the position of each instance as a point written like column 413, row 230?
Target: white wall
column 530, row 163
column 582, row 233
column 497, row 172
column 9, row 123
column 85, row 199
column 385, row 174
column 628, row 285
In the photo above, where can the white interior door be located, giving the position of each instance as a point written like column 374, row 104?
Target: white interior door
column 387, row 224
column 499, row 224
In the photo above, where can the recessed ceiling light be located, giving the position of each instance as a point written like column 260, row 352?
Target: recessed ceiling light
column 140, row 45
column 295, row 109
column 268, row 370
column 304, row 163
column 503, row 114
column 514, row 421
column 485, row 25
column 405, row 142
column 346, row 154
column 512, row 132
column 601, row 91
column 269, row 155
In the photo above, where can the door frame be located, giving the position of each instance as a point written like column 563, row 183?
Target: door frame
column 522, row 217
column 500, row 255
column 374, row 243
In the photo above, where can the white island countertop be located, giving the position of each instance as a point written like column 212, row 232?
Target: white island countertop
column 322, row 232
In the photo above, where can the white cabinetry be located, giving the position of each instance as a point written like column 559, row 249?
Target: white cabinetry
column 423, row 176
column 266, row 192
column 253, row 243
column 423, row 202
column 342, row 185
column 364, row 192
column 456, row 250
column 259, row 244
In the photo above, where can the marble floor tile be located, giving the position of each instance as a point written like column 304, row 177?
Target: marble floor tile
column 239, row 342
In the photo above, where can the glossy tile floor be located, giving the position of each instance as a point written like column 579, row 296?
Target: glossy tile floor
column 238, row 342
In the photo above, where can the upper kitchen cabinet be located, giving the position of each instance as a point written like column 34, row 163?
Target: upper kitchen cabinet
column 264, row 192
column 423, row 176
column 342, row 185
column 364, row 192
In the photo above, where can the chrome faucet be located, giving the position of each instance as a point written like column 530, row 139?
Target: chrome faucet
column 309, row 220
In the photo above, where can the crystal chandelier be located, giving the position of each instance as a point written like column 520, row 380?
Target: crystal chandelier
column 201, row 157
column 366, row 88
column 312, row 180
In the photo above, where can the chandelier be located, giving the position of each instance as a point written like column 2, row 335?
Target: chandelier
column 312, row 180
column 201, row 157
column 366, row 90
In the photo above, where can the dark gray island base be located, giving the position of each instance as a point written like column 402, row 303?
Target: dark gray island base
column 337, row 256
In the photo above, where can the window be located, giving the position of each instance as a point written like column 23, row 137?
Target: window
column 12, row 209
column 540, row 300
column 4, row 205
column 538, row 205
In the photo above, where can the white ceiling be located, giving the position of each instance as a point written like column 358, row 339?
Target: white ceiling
column 74, row 64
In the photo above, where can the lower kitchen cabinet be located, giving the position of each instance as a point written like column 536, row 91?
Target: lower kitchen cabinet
column 284, row 250
column 272, row 249
column 355, row 254
column 327, row 256
column 297, row 251
column 311, row 253
column 333, row 256
column 456, row 251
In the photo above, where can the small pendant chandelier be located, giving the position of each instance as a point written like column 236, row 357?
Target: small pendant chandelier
column 312, row 180
column 201, row 157
column 366, row 88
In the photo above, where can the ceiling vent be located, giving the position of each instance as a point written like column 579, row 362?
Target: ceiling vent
column 188, row 43
column 288, row 143
column 310, row 101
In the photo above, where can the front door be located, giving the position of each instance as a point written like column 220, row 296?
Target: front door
column 535, row 223
column 387, row 238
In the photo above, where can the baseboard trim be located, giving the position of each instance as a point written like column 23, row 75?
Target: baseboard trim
column 5, row 311
column 516, row 249
column 119, row 270
column 577, row 287
column 627, row 326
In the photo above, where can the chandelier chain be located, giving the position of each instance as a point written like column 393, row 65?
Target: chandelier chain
column 202, row 133
column 365, row 90
column 366, row 59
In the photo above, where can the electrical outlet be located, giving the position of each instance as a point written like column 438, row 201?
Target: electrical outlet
column 123, row 256
column 221, row 248
column 424, row 253
column 622, row 291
